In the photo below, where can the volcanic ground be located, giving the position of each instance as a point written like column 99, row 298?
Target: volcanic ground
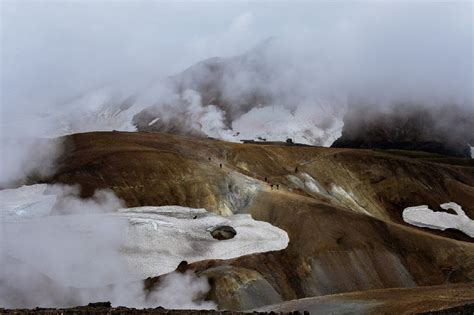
column 349, row 247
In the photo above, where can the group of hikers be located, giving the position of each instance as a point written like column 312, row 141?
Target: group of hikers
column 272, row 185
column 277, row 186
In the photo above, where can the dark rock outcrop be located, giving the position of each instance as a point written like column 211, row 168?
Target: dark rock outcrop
column 445, row 130
column 459, row 310
column 99, row 304
column 224, row 232
column 90, row 310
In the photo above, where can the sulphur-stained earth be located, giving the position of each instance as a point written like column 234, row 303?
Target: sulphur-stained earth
column 341, row 208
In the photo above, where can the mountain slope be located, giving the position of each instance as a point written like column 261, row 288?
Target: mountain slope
column 162, row 169
column 341, row 209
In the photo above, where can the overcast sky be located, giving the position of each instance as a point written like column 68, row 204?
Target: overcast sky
column 56, row 50
column 53, row 52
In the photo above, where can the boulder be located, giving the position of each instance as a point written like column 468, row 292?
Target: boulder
column 223, row 232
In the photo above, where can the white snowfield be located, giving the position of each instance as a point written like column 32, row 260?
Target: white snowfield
column 423, row 216
column 149, row 240
column 159, row 238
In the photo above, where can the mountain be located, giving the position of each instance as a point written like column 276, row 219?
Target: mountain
column 234, row 85
column 342, row 209
column 269, row 93
column 444, row 130
column 255, row 94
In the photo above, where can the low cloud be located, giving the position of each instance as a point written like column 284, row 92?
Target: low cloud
column 324, row 59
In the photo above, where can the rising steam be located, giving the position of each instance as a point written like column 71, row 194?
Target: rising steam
column 58, row 250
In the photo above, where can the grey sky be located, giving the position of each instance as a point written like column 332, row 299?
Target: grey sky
column 56, row 50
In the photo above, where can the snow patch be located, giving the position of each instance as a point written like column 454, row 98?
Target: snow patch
column 312, row 184
column 239, row 191
column 159, row 238
column 307, row 183
column 277, row 123
column 151, row 240
column 296, row 181
column 347, row 198
column 423, row 216
column 153, row 121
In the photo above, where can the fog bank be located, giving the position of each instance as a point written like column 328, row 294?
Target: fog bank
column 73, row 66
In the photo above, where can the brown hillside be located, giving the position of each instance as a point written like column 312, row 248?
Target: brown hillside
column 341, row 208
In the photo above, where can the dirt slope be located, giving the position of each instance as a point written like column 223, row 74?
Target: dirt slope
column 387, row 301
column 341, row 209
column 163, row 169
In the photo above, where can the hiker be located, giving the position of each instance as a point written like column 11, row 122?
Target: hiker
column 220, row 165
column 278, row 186
column 266, row 179
column 296, row 169
column 271, row 186
column 209, row 158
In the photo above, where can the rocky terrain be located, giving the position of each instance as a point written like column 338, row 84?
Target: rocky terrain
column 342, row 209
column 387, row 301
column 105, row 308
